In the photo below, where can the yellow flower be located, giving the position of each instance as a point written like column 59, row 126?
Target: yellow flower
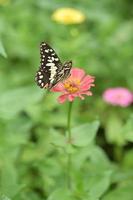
column 68, row 16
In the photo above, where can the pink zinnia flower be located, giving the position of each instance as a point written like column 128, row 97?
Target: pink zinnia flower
column 77, row 85
column 118, row 96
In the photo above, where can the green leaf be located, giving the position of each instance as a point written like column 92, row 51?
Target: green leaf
column 33, row 153
column 98, row 184
column 114, row 132
column 8, row 179
column 123, row 192
column 16, row 100
column 122, row 175
column 99, row 157
column 95, row 155
column 57, row 139
column 3, row 197
column 128, row 158
column 90, row 198
column 84, row 135
column 2, row 50
column 128, row 129
column 62, row 193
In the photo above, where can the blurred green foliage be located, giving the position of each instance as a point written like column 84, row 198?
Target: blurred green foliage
column 32, row 123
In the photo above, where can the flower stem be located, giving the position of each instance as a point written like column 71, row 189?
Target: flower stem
column 69, row 158
column 69, row 121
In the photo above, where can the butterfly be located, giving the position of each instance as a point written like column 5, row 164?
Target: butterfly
column 51, row 70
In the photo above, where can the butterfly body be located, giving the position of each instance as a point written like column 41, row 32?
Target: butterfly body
column 51, row 70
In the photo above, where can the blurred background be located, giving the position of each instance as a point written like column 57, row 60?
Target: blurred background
column 98, row 37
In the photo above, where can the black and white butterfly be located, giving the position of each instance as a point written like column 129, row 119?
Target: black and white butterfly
column 51, row 70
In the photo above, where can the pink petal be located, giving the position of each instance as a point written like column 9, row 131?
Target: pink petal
column 70, row 97
column 86, row 87
column 118, row 96
column 88, row 79
column 58, row 88
column 81, row 97
column 62, row 98
column 87, row 82
column 77, row 73
column 88, row 93
column 77, row 80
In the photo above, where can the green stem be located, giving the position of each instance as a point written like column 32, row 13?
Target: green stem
column 69, row 158
column 69, row 122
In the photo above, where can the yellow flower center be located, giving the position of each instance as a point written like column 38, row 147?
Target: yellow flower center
column 72, row 86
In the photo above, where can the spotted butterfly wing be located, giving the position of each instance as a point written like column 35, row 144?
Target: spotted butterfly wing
column 51, row 70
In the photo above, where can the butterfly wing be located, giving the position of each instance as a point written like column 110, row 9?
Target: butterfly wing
column 63, row 72
column 50, row 66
